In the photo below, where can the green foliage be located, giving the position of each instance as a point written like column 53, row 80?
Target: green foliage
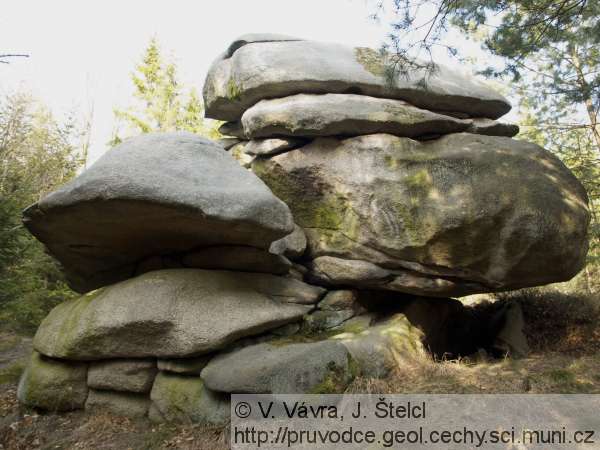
column 513, row 29
column 559, row 88
column 161, row 104
column 37, row 155
column 527, row 27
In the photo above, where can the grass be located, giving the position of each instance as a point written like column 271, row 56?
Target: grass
column 78, row 430
column 551, row 373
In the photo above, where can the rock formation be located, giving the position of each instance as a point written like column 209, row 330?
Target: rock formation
column 367, row 204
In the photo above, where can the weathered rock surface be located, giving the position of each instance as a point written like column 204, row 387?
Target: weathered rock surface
column 305, row 115
column 227, row 143
column 238, row 152
column 511, row 339
column 190, row 366
column 291, row 246
column 341, row 300
column 320, row 321
column 180, row 398
column 461, row 214
column 154, row 194
column 320, row 367
column 172, row 313
column 234, row 129
column 338, row 272
column 332, row 271
column 252, row 38
column 272, row 146
column 121, row 403
column 382, row 347
column 278, row 69
column 53, row 385
column 492, row 127
column 129, row 375
column 449, row 329
column 245, row 259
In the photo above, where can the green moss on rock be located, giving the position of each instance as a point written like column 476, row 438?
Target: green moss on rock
column 337, row 378
column 53, row 385
column 234, row 92
column 12, row 372
column 371, row 60
column 185, row 399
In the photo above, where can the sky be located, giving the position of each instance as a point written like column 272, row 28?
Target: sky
column 83, row 52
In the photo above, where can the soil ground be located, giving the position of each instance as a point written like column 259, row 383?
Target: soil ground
column 564, row 335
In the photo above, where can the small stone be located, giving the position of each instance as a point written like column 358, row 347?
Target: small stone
column 180, row 398
column 384, row 345
column 511, row 339
column 291, row 246
column 341, row 300
column 227, row 143
column 53, row 385
column 188, row 366
column 272, row 146
column 339, row 271
column 491, row 127
column 319, row 321
column 232, row 129
column 132, row 375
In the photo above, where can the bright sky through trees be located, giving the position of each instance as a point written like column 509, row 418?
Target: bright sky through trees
column 82, row 53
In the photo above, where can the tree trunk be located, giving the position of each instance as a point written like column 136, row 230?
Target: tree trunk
column 589, row 106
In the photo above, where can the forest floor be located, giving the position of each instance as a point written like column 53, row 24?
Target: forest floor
column 564, row 336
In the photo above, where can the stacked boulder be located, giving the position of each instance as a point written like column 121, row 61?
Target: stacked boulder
column 168, row 237
column 367, row 205
column 408, row 185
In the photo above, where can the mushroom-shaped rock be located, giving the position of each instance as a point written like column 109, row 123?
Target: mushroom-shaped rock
column 155, row 194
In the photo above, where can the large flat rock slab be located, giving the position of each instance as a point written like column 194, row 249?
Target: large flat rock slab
column 305, row 115
column 322, row 367
column 261, row 70
column 457, row 215
column 172, row 313
column 153, row 195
